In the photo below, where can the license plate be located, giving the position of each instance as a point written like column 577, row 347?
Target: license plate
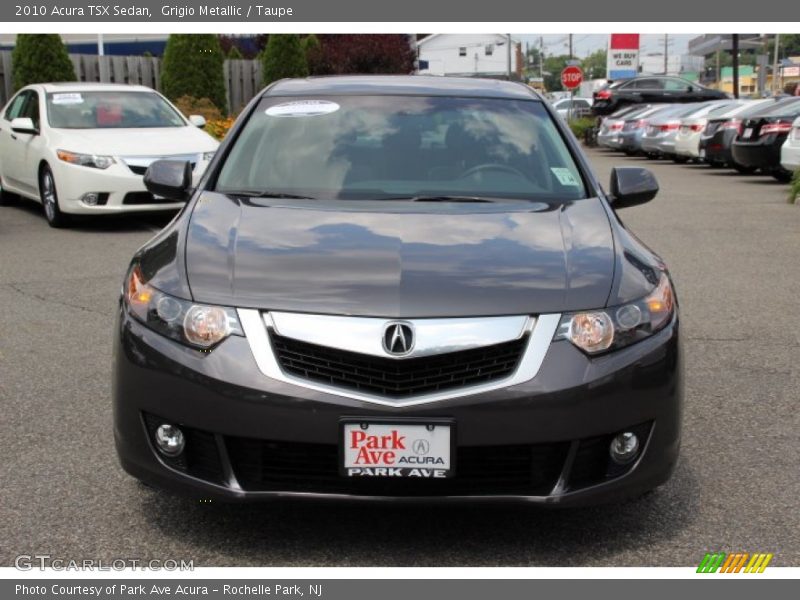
column 397, row 449
column 747, row 132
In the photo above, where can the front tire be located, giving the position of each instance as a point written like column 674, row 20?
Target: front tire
column 49, row 197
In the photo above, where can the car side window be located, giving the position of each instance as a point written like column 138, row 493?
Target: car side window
column 31, row 108
column 15, row 108
column 648, row 84
column 676, row 85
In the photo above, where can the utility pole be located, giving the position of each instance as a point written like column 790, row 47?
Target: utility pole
column 735, row 52
column 508, row 65
column 666, row 53
column 570, row 46
column 775, row 86
column 541, row 58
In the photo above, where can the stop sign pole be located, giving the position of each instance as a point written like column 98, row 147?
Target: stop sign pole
column 571, row 78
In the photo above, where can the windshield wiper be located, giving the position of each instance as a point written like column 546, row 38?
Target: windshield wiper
column 268, row 194
column 442, row 198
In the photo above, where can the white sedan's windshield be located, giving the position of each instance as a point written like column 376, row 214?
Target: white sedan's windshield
column 377, row 147
column 110, row 110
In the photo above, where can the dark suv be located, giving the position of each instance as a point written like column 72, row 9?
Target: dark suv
column 649, row 89
column 399, row 287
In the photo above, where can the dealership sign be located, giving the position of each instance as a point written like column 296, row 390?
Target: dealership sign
column 623, row 55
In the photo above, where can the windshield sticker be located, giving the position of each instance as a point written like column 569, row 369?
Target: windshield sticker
column 564, row 176
column 302, row 108
column 71, row 98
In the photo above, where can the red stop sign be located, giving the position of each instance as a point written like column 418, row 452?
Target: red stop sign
column 571, row 77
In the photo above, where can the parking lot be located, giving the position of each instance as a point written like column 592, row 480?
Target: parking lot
column 733, row 245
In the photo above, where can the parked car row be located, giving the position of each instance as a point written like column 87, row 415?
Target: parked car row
column 648, row 89
column 746, row 135
column 83, row 148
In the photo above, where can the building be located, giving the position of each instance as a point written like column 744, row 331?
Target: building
column 114, row 44
column 681, row 65
column 470, row 55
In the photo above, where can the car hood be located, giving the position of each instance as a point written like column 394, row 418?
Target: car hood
column 394, row 259
column 156, row 141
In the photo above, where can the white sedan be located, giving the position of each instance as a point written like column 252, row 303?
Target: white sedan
column 790, row 151
column 82, row 148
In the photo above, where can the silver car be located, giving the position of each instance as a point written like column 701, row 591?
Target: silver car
column 659, row 137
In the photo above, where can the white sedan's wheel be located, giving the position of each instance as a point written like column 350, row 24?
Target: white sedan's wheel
column 49, row 197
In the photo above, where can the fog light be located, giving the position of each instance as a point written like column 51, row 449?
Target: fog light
column 169, row 440
column 90, row 199
column 624, row 448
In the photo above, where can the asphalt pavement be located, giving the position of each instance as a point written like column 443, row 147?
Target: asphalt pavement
column 733, row 246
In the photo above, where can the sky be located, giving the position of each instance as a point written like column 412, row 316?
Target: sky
column 585, row 44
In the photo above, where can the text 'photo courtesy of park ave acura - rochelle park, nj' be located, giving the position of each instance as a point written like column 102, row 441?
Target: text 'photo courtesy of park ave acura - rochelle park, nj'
column 315, row 298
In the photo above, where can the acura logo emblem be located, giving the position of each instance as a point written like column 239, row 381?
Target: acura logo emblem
column 398, row 338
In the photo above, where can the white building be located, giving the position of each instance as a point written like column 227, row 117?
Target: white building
column 470, row 55
column 653, row 64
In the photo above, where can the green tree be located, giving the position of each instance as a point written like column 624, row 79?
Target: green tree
column 193, row 66
column 284, row 56
column 553, row 65
column 594, row 65
column 311, row 43
column 40, row 58
column 235, row 53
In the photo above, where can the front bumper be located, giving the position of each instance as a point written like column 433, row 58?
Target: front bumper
column 255, row 437
column 119, row 188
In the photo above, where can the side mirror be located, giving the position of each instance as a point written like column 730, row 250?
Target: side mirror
column 170, row 179
column 197, row 120
column 631, row 186
column 24, row 125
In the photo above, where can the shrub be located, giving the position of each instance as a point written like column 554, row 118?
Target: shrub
column 189, row 105
column 40, row 58
column 342, row 54
column 581, row 126
column 284, row 56
column 235, row 53
column 193, row 66
column 219, row 128
column 794, row 190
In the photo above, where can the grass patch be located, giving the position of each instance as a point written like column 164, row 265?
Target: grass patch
column 794, row 189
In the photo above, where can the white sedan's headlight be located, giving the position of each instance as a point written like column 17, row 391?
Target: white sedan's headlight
column 597, row 331
column 95, row 161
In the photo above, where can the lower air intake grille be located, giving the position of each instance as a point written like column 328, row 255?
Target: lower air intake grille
column 261, row 465
column 397, row 378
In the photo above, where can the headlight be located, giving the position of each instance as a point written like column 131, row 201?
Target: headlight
column 619, row 326
column 209, row 155
column 86, row 160
column 199, row 325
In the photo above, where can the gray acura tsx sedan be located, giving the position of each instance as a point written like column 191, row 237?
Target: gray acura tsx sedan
column 398, row 288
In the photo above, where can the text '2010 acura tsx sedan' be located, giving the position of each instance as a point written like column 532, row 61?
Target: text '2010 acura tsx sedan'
column 401, row 288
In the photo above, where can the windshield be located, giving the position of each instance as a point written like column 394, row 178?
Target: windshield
column 110, row 110
column 381, row 147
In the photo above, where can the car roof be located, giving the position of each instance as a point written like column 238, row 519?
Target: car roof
column 73, row 86
column 402, row 85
